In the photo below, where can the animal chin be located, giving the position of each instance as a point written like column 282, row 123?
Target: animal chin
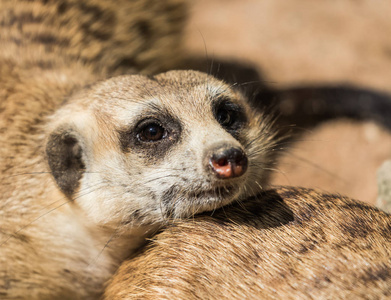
column 217, row 194
column 198, row 202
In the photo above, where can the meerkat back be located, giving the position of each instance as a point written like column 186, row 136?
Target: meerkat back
column 288, row 243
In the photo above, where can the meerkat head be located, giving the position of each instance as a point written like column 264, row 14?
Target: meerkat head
column 138, row 150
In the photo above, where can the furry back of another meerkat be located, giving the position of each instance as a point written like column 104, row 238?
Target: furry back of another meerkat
column 287, row 243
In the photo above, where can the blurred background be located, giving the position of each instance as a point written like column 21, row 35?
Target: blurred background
column 315, row 46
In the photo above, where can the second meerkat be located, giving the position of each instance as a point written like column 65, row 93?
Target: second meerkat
column 285, row 243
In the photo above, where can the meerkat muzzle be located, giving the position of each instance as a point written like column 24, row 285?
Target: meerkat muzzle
column 229, row 163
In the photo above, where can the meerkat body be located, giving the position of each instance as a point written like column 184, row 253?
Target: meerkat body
column 288, row 243
column 89, row 168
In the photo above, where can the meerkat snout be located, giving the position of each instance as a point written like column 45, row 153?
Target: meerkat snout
column 228, row 162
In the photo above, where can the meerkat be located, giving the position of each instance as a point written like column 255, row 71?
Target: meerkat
column 285, row 243
column 114, row 163
column 92, row 165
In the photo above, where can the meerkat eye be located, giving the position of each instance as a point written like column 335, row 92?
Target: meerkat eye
column 150, row 135
column 151, row 132
column 225, row 117
column 231, row 116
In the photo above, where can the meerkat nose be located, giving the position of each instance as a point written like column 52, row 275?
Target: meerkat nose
column 229, row 163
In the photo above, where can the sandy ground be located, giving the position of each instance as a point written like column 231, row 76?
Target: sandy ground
column 295, row 43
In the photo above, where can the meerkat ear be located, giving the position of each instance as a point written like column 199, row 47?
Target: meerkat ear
column 64, row 153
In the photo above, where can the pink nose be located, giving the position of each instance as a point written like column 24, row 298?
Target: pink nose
column 229, row 163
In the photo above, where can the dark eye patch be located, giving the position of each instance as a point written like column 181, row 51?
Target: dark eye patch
column 151, row 136
column 226, row 117
column 231, row 116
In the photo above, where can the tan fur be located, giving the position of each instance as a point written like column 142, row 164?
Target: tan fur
column 80, row 190
column 288, row 243
column 48, row 51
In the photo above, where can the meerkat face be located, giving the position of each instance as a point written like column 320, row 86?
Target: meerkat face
column 136, row 150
